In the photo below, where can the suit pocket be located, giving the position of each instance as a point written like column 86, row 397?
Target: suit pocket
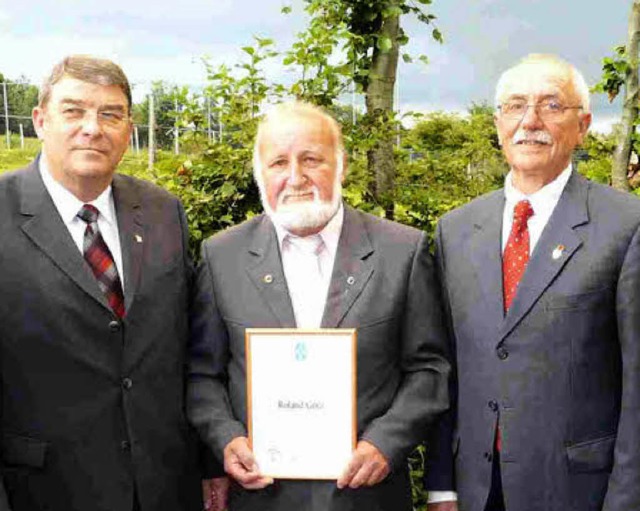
column 22, row 450
column 586, row 300
column 591, row 456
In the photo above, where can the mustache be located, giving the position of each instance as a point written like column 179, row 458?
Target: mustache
column 540, row 136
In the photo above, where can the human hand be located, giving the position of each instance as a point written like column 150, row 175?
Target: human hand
column 240, row 464
column 368, row 466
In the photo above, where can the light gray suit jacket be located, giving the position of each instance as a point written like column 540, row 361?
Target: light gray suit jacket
column 383, row 285
column 561, row 369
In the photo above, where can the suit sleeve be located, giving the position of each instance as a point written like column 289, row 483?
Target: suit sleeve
column 208, row 405
column 624, row 483
column 439, row 471
column 422, row 394
column 209, row 466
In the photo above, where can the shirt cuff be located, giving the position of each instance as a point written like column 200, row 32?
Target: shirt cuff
column 442, row 496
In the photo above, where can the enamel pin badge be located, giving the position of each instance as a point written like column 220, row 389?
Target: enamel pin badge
column 557, row 252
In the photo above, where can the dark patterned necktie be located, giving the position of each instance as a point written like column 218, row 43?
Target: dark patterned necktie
column 100, row 260
column 516, row 253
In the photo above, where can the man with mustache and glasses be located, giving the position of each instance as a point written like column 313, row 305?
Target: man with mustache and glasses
column 541, row 285
column 370, row 274
column 95, row 279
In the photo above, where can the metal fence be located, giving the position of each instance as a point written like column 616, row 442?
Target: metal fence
column 17, row 99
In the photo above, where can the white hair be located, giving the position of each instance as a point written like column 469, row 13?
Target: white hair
column 314, row 214
column 560, row 66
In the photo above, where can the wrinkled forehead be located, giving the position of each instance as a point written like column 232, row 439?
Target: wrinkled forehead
column 296, row 129
column 537, row 80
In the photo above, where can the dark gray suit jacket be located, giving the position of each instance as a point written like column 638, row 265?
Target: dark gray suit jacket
column 92, row 408
column 383, row 285
column 561, row 369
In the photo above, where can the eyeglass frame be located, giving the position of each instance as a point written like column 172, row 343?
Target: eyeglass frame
column 536, row 107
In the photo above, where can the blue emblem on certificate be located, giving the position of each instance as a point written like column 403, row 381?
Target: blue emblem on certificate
column 301, row 351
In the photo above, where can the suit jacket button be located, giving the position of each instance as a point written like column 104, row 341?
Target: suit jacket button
column 502, row 353
column 488, row 456
column 114, row 326
column 127, row 383
column 125, row 445
column 493, row 405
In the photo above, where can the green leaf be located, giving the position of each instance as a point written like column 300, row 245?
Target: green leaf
column 249, row 50
column 384, row 44
column 286, row 9
column 424, row 59
column 407, row 58
column 437, row 35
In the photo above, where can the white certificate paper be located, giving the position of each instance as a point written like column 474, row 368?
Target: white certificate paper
column 301, row 392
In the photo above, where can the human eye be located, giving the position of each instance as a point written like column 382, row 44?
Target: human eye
column 311, row 160
column 514, row 107
column 73, row 112
column 112, row 116
column 551, row 106
column 278, row 163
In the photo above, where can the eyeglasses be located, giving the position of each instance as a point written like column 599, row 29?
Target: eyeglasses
column 549, row 110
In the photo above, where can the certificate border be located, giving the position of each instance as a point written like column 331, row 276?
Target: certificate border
column 304, row 331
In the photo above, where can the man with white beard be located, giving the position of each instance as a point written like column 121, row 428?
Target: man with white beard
column 370, row 274
column 541, row 282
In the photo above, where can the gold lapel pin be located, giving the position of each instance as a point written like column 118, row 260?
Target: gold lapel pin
column 268, row 278
column 557, row 252
column 138, row 238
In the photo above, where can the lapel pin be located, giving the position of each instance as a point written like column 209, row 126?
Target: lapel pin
column 350, row 280
column 138, row 238
column 268, row 278
column 557, row 252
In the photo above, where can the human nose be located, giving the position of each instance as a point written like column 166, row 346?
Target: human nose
column 297, row 176
column 531, row 118
column 91, row 123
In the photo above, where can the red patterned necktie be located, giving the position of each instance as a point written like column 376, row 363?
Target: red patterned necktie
column 516, row 253
column 514, row 262
column 99, row 258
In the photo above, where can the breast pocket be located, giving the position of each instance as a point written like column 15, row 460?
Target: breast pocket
column 578, row 301
column 591, row 456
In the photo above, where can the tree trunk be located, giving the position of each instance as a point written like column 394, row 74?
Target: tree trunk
column 379, row 101
column 630, row 106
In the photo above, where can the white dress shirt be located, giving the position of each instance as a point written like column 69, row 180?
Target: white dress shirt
column 295, row 275
column 68, row 206
column 543, row 202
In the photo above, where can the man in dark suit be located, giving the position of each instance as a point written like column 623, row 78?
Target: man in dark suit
column 541, row 283
column 373, row 275
column 95, row 279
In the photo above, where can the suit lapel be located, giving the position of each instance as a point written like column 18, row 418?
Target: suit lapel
column 47, row 231
column 352, row 269
column 486, row 256
column 131, row 231
column 570, row 212
column 265, row 270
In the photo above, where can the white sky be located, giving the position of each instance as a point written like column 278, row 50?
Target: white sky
column 155, row 40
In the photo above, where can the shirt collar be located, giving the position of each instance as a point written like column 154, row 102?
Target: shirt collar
column 68, row 204
column 330, row 234
column 549, row 194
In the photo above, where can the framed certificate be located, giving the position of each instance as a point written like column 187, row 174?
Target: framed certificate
column 301, row 401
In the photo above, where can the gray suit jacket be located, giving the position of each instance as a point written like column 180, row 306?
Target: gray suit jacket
column 383, row 285
column 92, row 408
column 561, row 369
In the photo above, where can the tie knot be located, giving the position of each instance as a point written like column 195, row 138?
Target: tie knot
column 309, row 244
column 522, row 212
column 88, row 214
